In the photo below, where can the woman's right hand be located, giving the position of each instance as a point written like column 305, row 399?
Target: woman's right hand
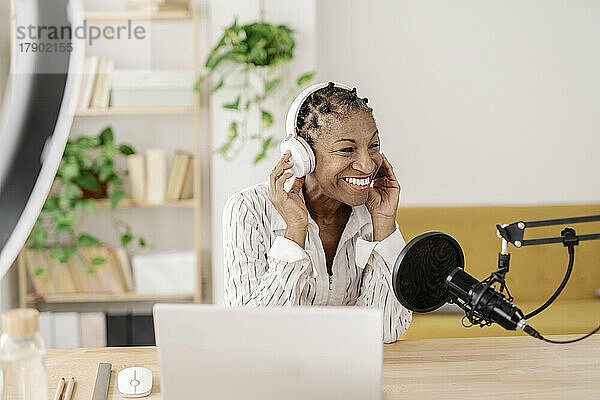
column 289, row 204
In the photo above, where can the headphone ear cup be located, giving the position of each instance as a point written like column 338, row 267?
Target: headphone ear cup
column 299, row 156
column 310, row 155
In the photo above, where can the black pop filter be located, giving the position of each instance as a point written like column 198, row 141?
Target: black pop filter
column 421, row 269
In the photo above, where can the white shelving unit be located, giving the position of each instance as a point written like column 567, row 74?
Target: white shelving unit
column 28, row 299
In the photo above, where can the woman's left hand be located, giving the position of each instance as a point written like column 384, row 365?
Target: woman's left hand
column 382, row 201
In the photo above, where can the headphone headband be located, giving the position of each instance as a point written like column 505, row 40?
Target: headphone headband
column 292, row 115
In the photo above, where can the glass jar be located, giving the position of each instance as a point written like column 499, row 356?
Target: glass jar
column 22, row 357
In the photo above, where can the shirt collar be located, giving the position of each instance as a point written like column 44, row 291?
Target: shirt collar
column 359, row 217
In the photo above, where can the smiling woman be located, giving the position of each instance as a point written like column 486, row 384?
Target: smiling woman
column 332, row 238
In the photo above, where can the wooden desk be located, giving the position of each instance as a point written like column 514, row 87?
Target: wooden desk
column 509, row 367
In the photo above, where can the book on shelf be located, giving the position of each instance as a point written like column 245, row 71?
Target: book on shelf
column 101, row 93
column 136, row 168
column 79, row 275
column 156, row 175
column 180, row 171
column 88, row 78
column 187, row 191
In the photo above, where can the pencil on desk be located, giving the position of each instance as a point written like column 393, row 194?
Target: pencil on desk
column 59, row 389
column 69, row 389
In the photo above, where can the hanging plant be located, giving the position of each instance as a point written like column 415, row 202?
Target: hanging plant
column 252, row 53
column 84, row 175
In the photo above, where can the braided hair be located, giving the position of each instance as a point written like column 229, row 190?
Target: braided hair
column 315, row 114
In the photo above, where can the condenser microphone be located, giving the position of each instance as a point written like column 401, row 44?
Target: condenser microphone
column 429, row 272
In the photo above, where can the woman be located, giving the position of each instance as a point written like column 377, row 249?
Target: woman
column 332, row 239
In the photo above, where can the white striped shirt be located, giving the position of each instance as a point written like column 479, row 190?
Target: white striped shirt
column 263, row 268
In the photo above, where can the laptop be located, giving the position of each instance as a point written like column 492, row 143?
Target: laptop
column 273, row 353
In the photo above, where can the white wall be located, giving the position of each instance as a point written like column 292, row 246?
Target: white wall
column 478, row 102
column 230, row 177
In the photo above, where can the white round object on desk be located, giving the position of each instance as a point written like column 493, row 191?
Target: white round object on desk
column 134, row 382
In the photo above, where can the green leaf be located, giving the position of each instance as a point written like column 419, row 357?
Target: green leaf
column 39, row 236
column 258, row 56
column 219, row 85
column 265, row 146
column 106, row 136
column 98, row 261
column 72, row 191
column 108, row 152
column 270, row 85
column 217, row 58
column 115, row 198
column 232, row 134
column 69, row 170
column 85, row 160
column 126, row 239
column 238, row 56
column 39, row 271
column 232, row 131
column 69, row 217
column 267, row 118
column 259, row 157
column 232, row 35
column 64, row 202
column 63, row 229
column 106, row 171
column 86, row 142
column 233, row 106
column 51, row 203
column 304, row 78
column 141, row 242
column 88, row 181
column 115, row 180
column 126, row 149
column 71, row 148
column 85, row 240
column 69, row 252
column 97, row 164
column 62, row 253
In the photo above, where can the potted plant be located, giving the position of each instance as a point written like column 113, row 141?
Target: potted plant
column 253, row 54
column 87, row 172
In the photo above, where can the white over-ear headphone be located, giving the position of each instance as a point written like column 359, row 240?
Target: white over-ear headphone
column 302, row 155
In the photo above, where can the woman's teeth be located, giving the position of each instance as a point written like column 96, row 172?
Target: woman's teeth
column 365, row 182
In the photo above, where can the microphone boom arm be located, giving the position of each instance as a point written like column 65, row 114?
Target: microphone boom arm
column 513, row 233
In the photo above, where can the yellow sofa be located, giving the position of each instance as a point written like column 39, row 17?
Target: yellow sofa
column 535, row 272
